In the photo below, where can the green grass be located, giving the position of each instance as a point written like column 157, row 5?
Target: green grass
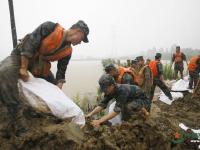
column 168, row 72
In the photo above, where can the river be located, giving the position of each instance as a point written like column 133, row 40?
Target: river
column 81, row 77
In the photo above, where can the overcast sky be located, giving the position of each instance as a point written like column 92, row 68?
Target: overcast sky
column 117, row 27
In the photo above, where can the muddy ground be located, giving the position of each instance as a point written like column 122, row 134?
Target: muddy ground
column 30, row 129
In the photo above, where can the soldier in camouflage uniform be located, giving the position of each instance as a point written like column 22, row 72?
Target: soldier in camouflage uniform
column 129, row 98
column 113, row 71
column 157, row 70
column 22, row 58
column 178, row 59
column 146, row 75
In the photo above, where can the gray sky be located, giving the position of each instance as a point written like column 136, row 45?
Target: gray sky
column 117, row 27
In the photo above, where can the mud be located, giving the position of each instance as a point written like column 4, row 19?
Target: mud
column 155, row 133
column 31, row 129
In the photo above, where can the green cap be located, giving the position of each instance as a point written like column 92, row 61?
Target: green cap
column 109, row 67
column 139, row 58
column 105, row 81
column 158, row 55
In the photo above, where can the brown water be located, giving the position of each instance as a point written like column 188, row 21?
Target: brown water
column 81, row 77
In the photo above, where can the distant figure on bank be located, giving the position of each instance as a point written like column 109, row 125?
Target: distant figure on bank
column 157, row 70
column 178, row 59
column 194, row 70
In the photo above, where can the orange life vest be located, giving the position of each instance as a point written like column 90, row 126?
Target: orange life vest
column 135, row 76
column 153, row 66
column 178, row 57
column 192, row 66
column 50, row 50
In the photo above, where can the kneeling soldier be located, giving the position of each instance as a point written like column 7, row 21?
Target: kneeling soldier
column 126, row 96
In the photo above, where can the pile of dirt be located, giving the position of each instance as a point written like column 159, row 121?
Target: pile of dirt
column 185, row 110
column 135, row 134
column 30, row 129
column 155, row 133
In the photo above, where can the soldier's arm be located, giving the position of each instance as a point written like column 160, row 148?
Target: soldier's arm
column 108, row 117
column 95, row 111
column 184, row 58
column 61, row 70
column 104, row 119
column 102, row 105
column 29, row 45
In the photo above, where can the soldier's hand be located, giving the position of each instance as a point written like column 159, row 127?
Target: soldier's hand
column 60, row 85
column 88, row 116
column 23, row 74
column 96, row 123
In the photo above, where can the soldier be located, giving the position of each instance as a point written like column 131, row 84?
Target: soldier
column 157, row 70
column 178, row 59
column 129, row 98
column 134, row 65
column 48, row 42
column 194, row 69
column 146, row 76
column 122, row 75
column 148, row 61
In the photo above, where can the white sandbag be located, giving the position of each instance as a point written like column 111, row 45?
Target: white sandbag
column 180, row 85
column 117, row 119
column 185, row 128
column 60, row 105
column 165, row 99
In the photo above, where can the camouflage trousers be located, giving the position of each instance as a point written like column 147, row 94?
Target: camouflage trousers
column 135, row 106
column 162, row 86
column 194, row 76
column 178, row 67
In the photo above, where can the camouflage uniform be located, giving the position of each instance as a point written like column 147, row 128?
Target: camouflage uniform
column 126, row 96
column 31, row 44
column 178, row 66
column 126, row 79
column 9, row 67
